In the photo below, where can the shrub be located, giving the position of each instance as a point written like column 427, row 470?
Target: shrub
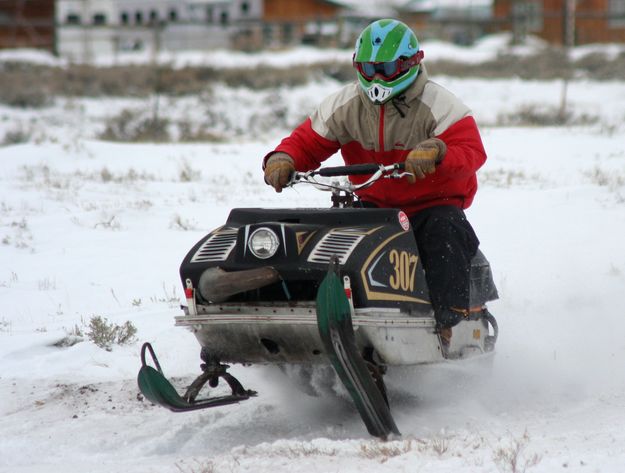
column 105, row 334
column 15, row 137
column 187, row 133
column 133, row 126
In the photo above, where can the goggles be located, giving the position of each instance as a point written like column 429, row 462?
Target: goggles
column 387, row 70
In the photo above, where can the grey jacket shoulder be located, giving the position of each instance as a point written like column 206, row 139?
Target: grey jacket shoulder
column 445, row 107
column 334, row 106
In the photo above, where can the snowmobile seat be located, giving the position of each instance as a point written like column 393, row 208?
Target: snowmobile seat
column 482, row 285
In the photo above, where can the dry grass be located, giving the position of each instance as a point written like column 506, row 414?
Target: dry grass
column 513, row 457
column 604, row 178
column 506, row 178
column 534, row 115
column 196, row 467
column 383, row 451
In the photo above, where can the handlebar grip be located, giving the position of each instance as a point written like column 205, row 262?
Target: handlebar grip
column 352, row 170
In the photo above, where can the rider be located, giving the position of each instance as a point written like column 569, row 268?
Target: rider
column 395, row 113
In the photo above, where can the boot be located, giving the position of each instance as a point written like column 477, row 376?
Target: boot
column 448, row 317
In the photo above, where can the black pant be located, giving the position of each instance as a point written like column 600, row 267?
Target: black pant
column 446, row 243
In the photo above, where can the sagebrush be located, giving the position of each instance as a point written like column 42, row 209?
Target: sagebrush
column 105, row 334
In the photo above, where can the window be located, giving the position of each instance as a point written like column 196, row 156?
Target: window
column 528, row 15
column 124, row 18
column 535, row 16
column 267, row 34
column 153, row 16
column 616, row 13
column 99, row 19
column 209, row 14
column 224, row 18
column 245, row 8
column 138, row 17
column 287, row 33
column 173, row 15
column 72, row 19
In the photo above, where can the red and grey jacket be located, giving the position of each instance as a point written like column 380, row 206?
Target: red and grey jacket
column 385, row 134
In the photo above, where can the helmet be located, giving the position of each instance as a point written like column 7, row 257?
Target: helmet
column 387, row 58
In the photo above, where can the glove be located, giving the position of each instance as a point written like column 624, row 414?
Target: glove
column 423, row 159
column 278, row 170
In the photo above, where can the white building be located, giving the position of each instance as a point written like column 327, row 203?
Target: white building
column 90, row 28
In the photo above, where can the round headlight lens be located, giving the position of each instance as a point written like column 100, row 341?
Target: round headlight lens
column 263, row 243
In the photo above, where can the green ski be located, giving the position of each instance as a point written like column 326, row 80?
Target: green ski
column 156, row 387
column 337, row 333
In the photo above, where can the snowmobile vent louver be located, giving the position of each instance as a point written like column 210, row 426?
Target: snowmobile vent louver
column 217, row 247
column 339, row 243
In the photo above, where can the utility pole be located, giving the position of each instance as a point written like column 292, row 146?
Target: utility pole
column 569, row 42
column 519, row 21
column 570, row 7
column 86, row 32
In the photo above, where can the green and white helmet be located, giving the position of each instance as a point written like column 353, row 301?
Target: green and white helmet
column 387, row 58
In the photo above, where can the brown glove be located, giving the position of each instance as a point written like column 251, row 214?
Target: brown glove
column 423, row 159
column 278, row 170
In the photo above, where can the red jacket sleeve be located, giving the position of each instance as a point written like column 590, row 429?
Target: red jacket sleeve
column 465, row 151
column 307, row 147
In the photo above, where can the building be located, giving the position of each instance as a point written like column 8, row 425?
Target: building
column 568, row 22
column 306, row 21
column 87, row 28
column 27, row 24
column 458, row 21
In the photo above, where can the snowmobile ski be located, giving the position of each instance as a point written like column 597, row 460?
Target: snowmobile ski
column 156, row 387
column 337, row 333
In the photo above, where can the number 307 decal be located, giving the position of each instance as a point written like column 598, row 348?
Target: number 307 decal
column 405, row 265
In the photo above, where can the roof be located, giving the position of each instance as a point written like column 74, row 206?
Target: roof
column 433, row 5
column 391, row 8
column 372, row 8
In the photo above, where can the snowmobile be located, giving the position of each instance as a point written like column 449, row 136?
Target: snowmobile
column 342, row 286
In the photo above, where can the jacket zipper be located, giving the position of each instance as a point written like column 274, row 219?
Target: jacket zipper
column 381, row 131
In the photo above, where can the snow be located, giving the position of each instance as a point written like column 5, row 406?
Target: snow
column 95, row 228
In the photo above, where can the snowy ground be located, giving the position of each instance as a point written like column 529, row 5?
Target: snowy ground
column 92, row 228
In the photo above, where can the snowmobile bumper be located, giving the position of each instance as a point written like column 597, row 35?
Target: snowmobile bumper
column 237, row 333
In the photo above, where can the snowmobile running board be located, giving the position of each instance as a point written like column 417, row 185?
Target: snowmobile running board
column 156, row 387
column 337, row 333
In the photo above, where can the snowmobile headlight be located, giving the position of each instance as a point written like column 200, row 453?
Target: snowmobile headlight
column 263, row 243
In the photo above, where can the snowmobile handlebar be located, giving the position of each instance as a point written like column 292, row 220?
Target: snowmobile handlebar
column 357, row 169
column 377, row 171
